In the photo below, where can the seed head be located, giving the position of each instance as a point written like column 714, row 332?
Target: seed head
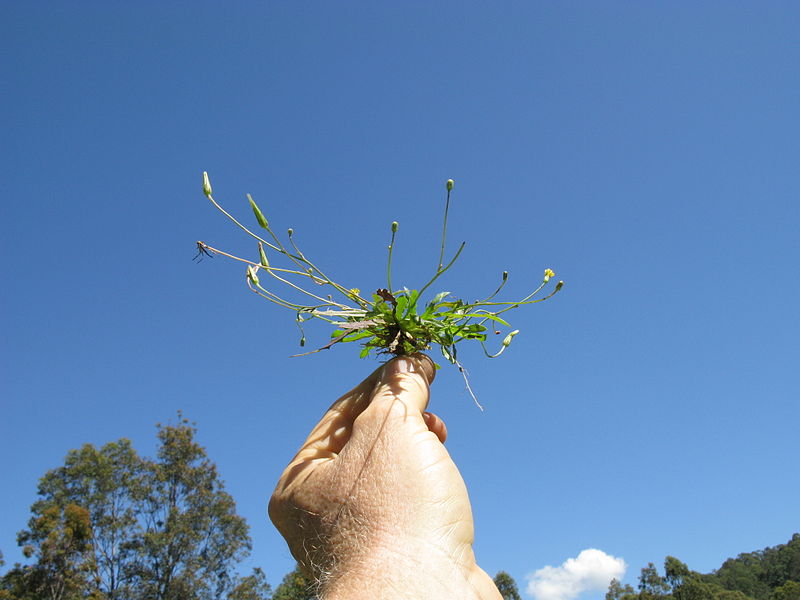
column 263, row 256
column 257, row 212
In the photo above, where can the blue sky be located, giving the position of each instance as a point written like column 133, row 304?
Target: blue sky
column 647, row 152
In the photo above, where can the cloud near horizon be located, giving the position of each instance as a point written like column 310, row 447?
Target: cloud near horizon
column 591, row 570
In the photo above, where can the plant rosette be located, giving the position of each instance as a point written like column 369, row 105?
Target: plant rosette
column 393, row 321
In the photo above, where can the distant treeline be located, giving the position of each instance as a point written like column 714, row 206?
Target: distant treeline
column 768, row 574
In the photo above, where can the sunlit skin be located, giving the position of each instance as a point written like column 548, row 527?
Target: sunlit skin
column 372, row 505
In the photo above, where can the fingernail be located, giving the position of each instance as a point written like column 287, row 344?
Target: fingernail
column 399, row 365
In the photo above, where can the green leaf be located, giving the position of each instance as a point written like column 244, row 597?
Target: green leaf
column 402, row 301
column 413, row 295
column 360, row 335
column 439, row 297
column 447, row 354
column 491, row 318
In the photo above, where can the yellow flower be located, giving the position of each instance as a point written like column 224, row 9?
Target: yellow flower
column 548, row 273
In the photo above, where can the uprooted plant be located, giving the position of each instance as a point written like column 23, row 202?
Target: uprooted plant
column 391, row 320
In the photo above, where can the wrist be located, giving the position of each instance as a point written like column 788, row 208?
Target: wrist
column 422, row 575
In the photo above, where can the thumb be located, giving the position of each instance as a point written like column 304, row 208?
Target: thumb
column 403, row 383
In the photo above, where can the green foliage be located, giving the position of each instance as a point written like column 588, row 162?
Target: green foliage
column 111, row 524
column 60, row 538
column 651, row 585
column 252, row 587
column 757, row 574
column 769, row 574
column 506, row 586
column 295, row 586
column 617, row 591
column 788, row 591
column 745, row 574
column 191, row 535
column 108, row 483
column 392, row 320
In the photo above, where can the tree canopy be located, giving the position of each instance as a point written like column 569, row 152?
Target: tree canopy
column 110, row 524
column 768, row 574
column 507, row 586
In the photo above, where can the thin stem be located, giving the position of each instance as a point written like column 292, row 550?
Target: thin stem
column 442, row 270
column 279, row 248
column 242, row 227
column 258, row 264
column 444, row 231
column 527, row 300
column 299, row 289
column 463, row 372
column 389, row 262
column 511, row 305
column 341, row 289
column 486, row 352
column 500, row 287
column 275, row 299
column 350, row 313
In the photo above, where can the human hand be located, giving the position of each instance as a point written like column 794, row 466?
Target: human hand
column 372, row 506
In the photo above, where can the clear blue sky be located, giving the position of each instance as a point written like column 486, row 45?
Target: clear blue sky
column 648, row 152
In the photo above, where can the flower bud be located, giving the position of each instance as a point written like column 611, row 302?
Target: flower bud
column 509, row 337
column 257, row 212
column 290, row 232
column 395, row 225
column 505, row 275
column 206, row 185
column 450, row 184
column 559, row 285
column 251, row 274
column 263, row 255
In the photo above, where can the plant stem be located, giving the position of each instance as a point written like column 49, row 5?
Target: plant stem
column 389, row 264
column 442, row 270
column 242, row 227
column 444, row 231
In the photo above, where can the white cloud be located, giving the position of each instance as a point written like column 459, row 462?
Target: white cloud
column 591, row 570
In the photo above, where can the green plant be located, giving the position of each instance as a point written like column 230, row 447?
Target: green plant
column 391, row 320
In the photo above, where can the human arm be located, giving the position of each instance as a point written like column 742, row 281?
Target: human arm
column 372, row 506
